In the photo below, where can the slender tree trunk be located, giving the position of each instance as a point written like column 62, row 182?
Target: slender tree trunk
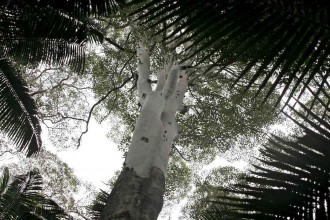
column 138, row 192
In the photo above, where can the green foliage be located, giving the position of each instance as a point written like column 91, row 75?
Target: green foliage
column 177, row 179
column 33, row 32
column 98, row 205
column 291, row 182
column 213, row 107
column 277, row 40
column 21, row 198
column 63, row 100
column 221, row 117
column 206, row 188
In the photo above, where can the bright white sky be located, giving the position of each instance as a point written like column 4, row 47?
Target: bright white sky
column 97, row 159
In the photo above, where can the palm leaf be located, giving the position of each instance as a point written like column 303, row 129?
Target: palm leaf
column 33, row 32
column 80, row 8
column 32, row 35
column 292, row 183
column 231, row 27
column 22, row 199
column 18, row 112
column 98, row 204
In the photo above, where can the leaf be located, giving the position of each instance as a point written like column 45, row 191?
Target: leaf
column 231, row 28
column 292, row 182
column 74, row 7
column 18, row 112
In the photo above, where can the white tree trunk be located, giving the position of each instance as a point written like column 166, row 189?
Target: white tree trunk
column 138, row 193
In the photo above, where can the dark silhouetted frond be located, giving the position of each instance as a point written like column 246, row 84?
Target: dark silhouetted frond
column 22, row 198
column 80, row 8
column 34, row 35
column 98, row 205
column 293, row 181
column 277, row 40
column 18, row 112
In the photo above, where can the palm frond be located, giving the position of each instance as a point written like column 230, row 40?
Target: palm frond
column 277, row 40
column 292, row 183
column 80, row 8
column 32, row 32
column 32, row 35
column 22, row 198
column 18, row 112
column 98, row 204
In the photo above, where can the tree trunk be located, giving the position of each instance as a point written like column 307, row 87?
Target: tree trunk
column 138, row 192
column 136, row 198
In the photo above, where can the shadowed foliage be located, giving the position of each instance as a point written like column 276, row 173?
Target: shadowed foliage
column 293, row 181
column 34, row 32
column 285, row 42
column 21, row 198
column 18, row 115
column 98, row 205
column 80, row 8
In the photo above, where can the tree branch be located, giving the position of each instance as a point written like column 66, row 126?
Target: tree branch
column 118, row 46
column 181, row 155
column 54, row 87
column 143, row 69
column 172, row 81
column 97, row 103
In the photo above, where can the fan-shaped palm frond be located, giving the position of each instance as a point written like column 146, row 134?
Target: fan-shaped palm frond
column 21, row 198
column 285, row 42
column 293, row 183
column 98, row 205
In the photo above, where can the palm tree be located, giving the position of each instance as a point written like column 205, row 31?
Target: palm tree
column 293, row 181
column 21, row 198
column 285, row 42
column 33, row 32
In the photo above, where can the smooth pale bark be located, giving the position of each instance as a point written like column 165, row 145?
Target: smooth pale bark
column 138, row 192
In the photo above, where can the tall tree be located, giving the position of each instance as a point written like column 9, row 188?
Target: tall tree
column 162, row 79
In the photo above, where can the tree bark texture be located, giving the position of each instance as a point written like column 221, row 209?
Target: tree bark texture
column 136, row 198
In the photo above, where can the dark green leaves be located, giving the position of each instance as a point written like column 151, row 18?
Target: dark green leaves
column 34, row 35
column 293, row 181
column 18, row 113
column 98, row 205
column 34, row 32
column 276, row 40
column 79, row 8
column 22, row 198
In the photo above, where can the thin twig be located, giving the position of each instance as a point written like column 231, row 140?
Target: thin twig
column 54, row 87
column 181, row 155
